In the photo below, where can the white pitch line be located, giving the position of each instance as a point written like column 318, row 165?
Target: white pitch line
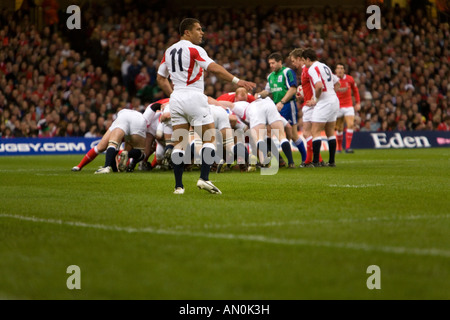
column 378, row 160
column 318, row 221
column 27, row 170
column 254, row 238
column 355, row 185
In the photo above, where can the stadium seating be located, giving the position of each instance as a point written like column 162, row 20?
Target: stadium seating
column 60, row 82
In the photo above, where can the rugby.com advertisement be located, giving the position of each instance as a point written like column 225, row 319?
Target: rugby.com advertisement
column 47, row 146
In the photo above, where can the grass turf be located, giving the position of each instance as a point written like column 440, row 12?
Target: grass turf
column 300, row 234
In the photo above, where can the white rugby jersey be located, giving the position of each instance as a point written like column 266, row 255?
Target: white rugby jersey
column 321, row 72
column 184, row 62
column 240, row 109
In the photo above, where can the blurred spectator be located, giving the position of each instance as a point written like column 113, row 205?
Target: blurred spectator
column 133, row 71
column 142, row 83
column 92, row 133
column 7, row 133
column 366, row 127
column 374, row 123
column 401, row 126
column 445, row 125
column 384, row 126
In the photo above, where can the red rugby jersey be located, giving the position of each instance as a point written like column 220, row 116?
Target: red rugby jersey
column 345, row 98
column 232, row 95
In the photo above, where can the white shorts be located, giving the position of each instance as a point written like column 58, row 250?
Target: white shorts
column 263, row 111
column 131, row 122
column 167, row 127
column 325, row 110
column 307, row 113
column 190, row 107
column 221, row 119
column 346, row 111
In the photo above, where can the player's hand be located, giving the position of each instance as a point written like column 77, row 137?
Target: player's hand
column 279, row 106
column 357, row 106
column 247, row 85
column 311, row 103
column 259, row 95
column 165, row 116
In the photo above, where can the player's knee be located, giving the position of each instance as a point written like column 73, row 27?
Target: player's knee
column 112, row 143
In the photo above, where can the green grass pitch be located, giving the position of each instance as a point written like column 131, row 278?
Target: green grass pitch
column 300, row 234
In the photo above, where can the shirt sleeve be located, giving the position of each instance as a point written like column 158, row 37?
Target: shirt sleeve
column 201, row 57
column 355, row 91
column 291, row 78
column 335, row 79
column 314, row 75
column 162, row 70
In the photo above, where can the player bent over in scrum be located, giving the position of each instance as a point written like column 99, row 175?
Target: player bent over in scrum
column 233, row 141
column 260, row 114
column 131, row 126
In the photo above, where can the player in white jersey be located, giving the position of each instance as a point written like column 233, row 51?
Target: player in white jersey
column 130, row 125
column 261, row 115
column 222, row 124
column 233, row 141
column 152, row 115
column 184, row 62
column 325, row 105
column 164, row 145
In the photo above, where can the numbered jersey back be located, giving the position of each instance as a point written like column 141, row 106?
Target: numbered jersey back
column 321, row 72
column 184, row 62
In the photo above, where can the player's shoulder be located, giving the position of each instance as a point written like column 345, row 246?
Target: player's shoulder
column 183, row 43
column 288, row 70
column 172, row 46
column 323, row 65
column 229, row 96
column 305, row 70
column 313, row 66
column 188, row 44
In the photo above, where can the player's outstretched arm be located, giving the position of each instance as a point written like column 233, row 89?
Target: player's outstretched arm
column 223, row 74
column 263, row 94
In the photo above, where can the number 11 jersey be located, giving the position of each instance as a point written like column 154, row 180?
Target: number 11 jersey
column 185, row 62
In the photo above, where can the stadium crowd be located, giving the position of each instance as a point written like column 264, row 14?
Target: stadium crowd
column 60, row 82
